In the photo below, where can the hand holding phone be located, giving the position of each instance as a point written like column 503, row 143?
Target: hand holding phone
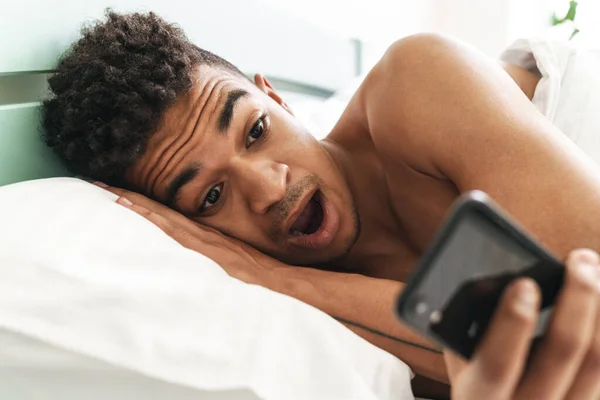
column 566, row 364
column 459, row 281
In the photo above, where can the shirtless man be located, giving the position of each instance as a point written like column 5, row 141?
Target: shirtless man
column 134, row 104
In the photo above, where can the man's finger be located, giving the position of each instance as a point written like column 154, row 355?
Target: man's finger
column 123, row 192
column 587, row 382
column 500, row 357
column 143, row 201
column 157, row 219
column 569, row 335
column 136, row 198
column 182, row 236
column 455, row 364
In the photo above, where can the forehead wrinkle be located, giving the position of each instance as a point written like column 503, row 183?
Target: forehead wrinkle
column 156, row 143
column 155, row 169
column 190, row 130
column 218, row 89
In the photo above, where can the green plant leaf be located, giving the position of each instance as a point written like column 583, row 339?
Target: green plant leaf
column 572, row 13
column 575, row 32
column 570, row 16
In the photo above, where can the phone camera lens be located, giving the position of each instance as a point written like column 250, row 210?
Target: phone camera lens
column 435, row 317
column 421, row 308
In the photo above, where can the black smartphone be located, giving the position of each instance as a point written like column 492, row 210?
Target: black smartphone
column 453, row 293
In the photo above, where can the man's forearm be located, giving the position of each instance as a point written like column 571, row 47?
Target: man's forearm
column 366, row 306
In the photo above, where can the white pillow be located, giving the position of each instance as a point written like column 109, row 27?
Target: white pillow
column 87, row 286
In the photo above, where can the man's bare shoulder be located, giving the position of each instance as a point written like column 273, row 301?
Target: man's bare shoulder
column 404, row 102
column 417, row 50
column 421, row 92
column 396, row 66
column 393, row 89
column 406, row 61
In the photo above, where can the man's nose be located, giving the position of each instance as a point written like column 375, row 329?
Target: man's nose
column 263, row 182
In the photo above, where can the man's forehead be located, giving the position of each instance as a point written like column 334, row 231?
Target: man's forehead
column 205, row 99
column 211, row 86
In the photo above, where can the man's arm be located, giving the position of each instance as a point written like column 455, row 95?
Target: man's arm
column 453, row 114
column 365, row 305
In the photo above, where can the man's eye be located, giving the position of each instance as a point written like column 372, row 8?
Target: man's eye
column 212, row 198
column 256, row 132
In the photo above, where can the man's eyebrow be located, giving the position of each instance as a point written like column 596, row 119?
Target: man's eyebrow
column 227, row 112
column 183, row 178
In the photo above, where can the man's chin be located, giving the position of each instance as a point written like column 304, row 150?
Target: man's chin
column 329, row 260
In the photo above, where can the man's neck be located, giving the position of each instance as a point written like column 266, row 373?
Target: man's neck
column 363, row 172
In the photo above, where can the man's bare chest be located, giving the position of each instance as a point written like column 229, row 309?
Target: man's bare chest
column 400, row 208
column 419, row 204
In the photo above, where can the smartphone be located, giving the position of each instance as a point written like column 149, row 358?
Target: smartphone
column 453, row 293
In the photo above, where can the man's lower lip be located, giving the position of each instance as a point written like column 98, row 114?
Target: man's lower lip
column 326, row 232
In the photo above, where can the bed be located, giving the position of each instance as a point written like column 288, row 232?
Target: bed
column 97, row 302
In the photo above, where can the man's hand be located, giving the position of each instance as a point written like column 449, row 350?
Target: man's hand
column 237, row 259
column 363, row 304
column 567, row 363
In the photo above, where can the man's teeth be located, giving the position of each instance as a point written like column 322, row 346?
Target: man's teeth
column 297, row 233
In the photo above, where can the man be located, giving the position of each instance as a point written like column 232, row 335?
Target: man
column 135, row 104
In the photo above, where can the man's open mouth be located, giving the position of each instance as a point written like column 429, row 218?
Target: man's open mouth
column 316, row 224
column 310, row 218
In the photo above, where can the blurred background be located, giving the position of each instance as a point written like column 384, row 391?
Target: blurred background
column 315, row 52
column 489, row 25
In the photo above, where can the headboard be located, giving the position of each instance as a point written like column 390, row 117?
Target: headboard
column 296, row 56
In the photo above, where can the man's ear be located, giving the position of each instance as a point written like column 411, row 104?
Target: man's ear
column 263, row 84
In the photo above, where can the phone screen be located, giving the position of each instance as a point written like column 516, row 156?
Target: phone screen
column 460, row 290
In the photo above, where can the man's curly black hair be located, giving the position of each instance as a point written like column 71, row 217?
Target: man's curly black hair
column 112, row 88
